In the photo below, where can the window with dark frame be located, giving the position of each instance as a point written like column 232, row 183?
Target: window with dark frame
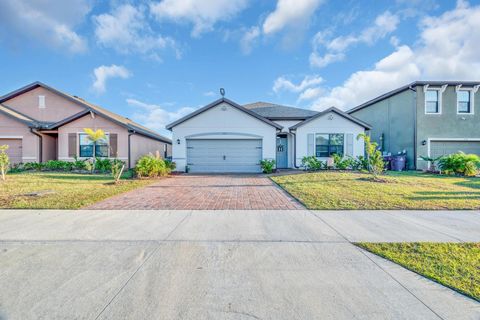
column 328, row 144
column 431, row 101
column 86, row 147
column 463, row 101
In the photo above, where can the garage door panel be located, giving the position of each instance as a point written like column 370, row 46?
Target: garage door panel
column 14, row 150
column 224, row 155
column 441, row 148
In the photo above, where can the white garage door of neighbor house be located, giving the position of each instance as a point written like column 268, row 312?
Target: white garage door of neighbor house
column 224, row 155
column 14, row 150
column 441, row 148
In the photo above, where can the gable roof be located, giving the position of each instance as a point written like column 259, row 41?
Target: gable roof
column 411, row 86
column 337, row 111
column 122, row 121
column 279, row 112
column 216, row 103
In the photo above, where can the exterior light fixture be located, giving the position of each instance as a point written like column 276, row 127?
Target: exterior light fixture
column 178, row 141
column 424, row 142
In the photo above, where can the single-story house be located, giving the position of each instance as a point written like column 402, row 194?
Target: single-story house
column 40, row 123
column 227, row 137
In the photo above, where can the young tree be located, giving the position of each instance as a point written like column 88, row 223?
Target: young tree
column 94, row 136
column 376, row 165
column 4, row 161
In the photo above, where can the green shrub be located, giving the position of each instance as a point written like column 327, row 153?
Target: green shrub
column 80, row 164
column 343, row 163
column 171, row 166
column 360, row 164
column 311, row 163
column 460, row 163
column 151, row 166
column 103, row 165
column 36, row 166
column 267, row 165
column 57, row 165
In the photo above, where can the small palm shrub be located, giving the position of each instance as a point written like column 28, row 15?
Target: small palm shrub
column 311, row 163
column 460, row 163
column 117, row 167
column 4, row 161
column 376, row 165
column 151, row 166
column 267, row 165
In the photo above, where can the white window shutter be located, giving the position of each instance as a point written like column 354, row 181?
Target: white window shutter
column 349, row 143
column 310, row 144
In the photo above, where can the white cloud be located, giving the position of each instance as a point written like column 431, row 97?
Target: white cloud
column 248, row 39
column 290, row 13
column 103, row 73
column 155, row 116
column 334, row 49
column 447, row 49
column 48, row 22
column 126, row 30
column 283, row 84
column 202, row 14
column 310, row 93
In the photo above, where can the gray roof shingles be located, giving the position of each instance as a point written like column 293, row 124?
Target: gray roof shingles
column 275, row 111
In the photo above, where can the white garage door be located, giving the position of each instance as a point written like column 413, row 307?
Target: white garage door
column 441, row 148
column 224, row 155
column 14, row 150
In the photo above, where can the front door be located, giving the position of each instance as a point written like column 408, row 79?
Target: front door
column 282, row 152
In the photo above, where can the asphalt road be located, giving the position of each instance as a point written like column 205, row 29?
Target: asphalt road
column 221, row 265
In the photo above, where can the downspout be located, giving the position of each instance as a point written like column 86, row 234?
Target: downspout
column 130, row 133
column 294, row 150
column 414, row 127
column 40, row 149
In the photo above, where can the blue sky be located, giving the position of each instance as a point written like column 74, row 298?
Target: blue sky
column 157, row 60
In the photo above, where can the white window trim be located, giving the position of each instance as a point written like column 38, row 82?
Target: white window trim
column 440, row 90
column 344, row 142
column 472, row 90
column 41, row 102
column 11, row 137
column 85, row 158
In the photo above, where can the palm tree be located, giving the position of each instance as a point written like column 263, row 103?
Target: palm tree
column 94, row 136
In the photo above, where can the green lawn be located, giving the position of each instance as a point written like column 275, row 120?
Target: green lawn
column 60, row 190
column 399, row 190
column 455, row 265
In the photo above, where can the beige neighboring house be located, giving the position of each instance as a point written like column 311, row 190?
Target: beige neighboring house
column 41, row 123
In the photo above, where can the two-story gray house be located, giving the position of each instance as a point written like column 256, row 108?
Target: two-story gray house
column 425, row 118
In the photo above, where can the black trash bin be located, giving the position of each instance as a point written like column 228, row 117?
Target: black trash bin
column 399, row 162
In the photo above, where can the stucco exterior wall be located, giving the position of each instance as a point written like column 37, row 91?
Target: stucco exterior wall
column 337, row 124
column 98, row 122
column 222, row 122
column 393, row 117
column 10, row 128
column 446, row 125
column 141, row 145
column 56, row 107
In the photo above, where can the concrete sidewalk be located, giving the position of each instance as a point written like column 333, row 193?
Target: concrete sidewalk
column 219, row 265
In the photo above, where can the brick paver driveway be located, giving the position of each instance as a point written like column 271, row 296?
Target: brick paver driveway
column 205, row 192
